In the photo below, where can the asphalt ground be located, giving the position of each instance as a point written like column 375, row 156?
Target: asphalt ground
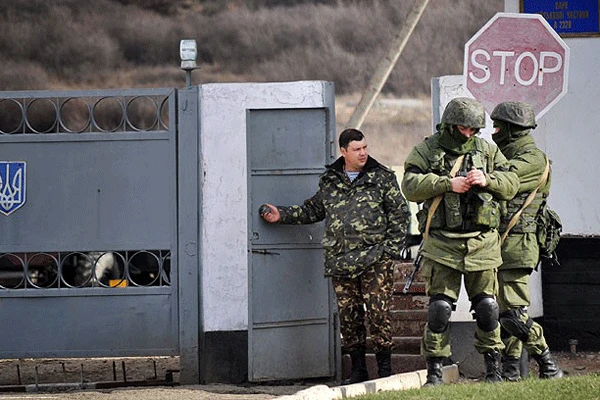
column 228, row 392
column 191, row 392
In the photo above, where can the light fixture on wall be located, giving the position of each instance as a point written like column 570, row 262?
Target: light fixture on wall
column 188, row 52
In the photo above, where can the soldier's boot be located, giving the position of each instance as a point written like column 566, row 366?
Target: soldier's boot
column 548, row 367
column 492, row 367
column 511, row 369
column 434, row 371
column 359, row 371
column 384, row 363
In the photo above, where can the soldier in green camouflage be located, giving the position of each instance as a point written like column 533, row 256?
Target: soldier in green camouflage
column 513, row 122
column 459, row 222
column 366, row 219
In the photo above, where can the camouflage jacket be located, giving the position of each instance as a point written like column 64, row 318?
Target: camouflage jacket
column 426, row 176
column 520, row 249
column 365, row 220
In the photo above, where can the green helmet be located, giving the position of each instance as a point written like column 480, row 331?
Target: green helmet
column 465, row 112
column 515, row 112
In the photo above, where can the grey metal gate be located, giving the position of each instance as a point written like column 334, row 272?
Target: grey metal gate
column 291, row 318
column 88, row 248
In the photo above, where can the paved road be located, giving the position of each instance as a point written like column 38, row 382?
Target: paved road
column 95, row 371
column 402, row 381
column 192, row 392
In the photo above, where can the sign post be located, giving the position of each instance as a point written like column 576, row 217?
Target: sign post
column 517, row 57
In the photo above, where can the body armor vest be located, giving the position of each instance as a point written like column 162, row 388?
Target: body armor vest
column 475, row 210
column 527, row 222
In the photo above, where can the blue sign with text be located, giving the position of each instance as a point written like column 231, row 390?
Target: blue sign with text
column 576, row 17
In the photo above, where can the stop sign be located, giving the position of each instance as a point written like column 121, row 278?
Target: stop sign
column 516, row 57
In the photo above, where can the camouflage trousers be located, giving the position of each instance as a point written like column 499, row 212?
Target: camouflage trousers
column 513, row 293
column 443, row 280
column 366, row 299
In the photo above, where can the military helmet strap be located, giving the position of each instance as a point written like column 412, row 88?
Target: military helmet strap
column 513, row 221
column 438, row 199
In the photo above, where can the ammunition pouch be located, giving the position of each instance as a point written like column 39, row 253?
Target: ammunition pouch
column 437, row 220
column 549, row 229
column 454, row 220
column 473, row 211
column 487, row 211
column 422, row 219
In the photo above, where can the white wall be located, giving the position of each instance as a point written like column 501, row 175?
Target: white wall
column 570, row 134
column 225, row 194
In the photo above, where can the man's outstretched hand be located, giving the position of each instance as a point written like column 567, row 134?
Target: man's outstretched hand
column 269, row 213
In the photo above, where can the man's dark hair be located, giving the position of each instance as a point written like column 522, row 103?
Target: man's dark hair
column 349, row 135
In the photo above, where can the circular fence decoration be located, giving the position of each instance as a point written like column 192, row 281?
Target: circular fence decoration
column 73, row 115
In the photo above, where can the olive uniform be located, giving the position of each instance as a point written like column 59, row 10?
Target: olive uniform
column 365, row 226
column 463, row 240
column 520, row 250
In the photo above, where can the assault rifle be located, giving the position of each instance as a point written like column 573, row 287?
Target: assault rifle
column 416, row 267
column 466, row 165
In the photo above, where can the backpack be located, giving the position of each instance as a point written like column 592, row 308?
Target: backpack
column 549, row 228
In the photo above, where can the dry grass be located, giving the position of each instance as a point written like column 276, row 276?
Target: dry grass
column 75, row 44
column 392, row 127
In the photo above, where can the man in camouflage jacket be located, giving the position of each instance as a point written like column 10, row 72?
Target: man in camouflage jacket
column 462, row 240
column 366, row 219
column 513, row 122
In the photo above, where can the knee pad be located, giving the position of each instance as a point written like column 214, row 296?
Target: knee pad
column 438, row 314
column 486, row 313
column 512, row 323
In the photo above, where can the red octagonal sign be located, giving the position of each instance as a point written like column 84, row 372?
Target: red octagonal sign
column 517, row 57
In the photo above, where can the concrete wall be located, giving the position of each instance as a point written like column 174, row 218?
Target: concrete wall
column 224, row 212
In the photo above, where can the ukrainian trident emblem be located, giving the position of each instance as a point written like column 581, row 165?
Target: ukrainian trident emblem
column 12, row 186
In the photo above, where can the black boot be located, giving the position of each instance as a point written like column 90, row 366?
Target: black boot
column 384, row 363
column 359, row 367
column 511, row 369
column 492, row 367
column 434, row 371
column 548, row 367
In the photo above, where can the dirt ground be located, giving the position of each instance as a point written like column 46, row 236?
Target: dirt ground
column 118, row 378
column 581, row 363
column 72, row 373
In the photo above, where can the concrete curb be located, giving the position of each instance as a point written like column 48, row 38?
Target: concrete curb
column 407, row 380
